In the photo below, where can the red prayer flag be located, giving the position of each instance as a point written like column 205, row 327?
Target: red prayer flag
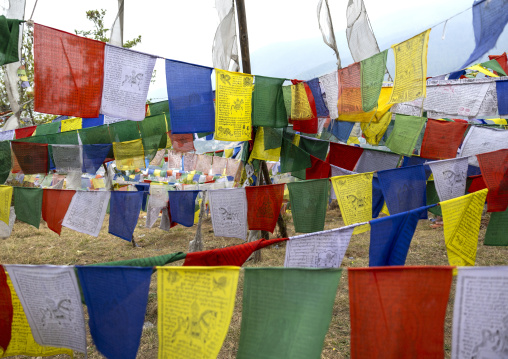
column 398, row 312
column 442, row 139
column 344, row 156
column 494, row 167
column 229, row 256
column 350, row 89
column 25, row 132
column 263, row 206
column 477, row 184
column 6, row 311
column 318, row 169
column 502, row 60
column 68, row 73
column 32, row 158
column 182, row 142
column 310, row 125
column 55, row 203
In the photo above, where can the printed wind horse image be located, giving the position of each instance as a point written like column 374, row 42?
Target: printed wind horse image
column 494, row 343
column 57, row 313
column 133, row 81
column 228, row 215
column 453, row 178
column 198, row 326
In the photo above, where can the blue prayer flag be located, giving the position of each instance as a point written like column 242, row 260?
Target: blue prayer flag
column 415, row 161
column 94, row 156
column 321, row 109
column 116, row 298
column 377, row 197
column 502, row 97
column 182, row 206
column 190, row 97
column 145, row 188
column 456, row 75
column 124, row 208
column 341, row 129
column 92, row 122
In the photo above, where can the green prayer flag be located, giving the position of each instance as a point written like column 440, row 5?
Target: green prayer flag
column 151, row 145
column 5, row 161
column 95, row 135
column 497, row 229
column 158, row 108
column 372, row 73
column 28, row 205
column 317, row 148
column 146, row 262
column 63, row 138
column 154, row 125
column 48, row 128
column 494, row 65
column 387, row 133
column 308, row 204
column 433, row 198
column 33, row 139
column 9, row 38
column 286, row 93
column 286, row 312
column 293, row 158
column 124, row 131
column 272, row 137
column 268, row 106
column 405, row 134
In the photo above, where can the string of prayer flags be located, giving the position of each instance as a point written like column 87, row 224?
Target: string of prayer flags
column 350, row 89
column 478, row 330
column 65, row 87
column 24, row 132
column 375, row 115
column 354, row 195
column 116, row 300
column 182, row 205
column 190, row 97
column 6, row 310
column 449, row 177
column 182, row 142
column 404, row 188
column 268, row 109
column 494, row 166
column 28, row 205
column 55, row 203
column 5, row 161
column 372, row 74
column 22, row 342
column 129, row 155
column 94, row 156
column 228, row 256
column 300, row 107
column 344, row 156
column 5, row 203
column 259, row 152
column 32, row 158
column 194, row 319
column 286, row 312
column 264, row 204
column 318, row 169
column 315, row 147
column 390, row 237
column 497, row 229
column 404, row 314
column 405, row 134
column 308, row 204
column 87, row 211
column 372, row 160
column 228, row 208
column 124, row 212
column 293, row 158
column 442, row 139
column 324, row 249
column 60, row 293
column 502, row 97
column 461, row 220
column 488, row 24
column 330, row 85
column 410, row 68
column 481, row 140
column 233, row 106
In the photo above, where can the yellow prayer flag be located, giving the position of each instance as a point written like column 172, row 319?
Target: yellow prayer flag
column 71, row 124
column 483, row 70
column 374, row 131
column 190, row 177
column 196, row 214
column 461, row 220
column 354, row 195
column 129, row 155
column 353, row 140
column 22, row 341
column 5, row 203
column 499, row 121
column 157, row 173
column 233, row 106
column 228, row 153
column 258, row 150
column 98, row 183
column 300, row 107
column 195, row 308
column 410, row 68
column 296, row 140
column 384, row 209
column 376, row 114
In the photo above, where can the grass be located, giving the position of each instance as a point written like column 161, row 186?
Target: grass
column 28, row 245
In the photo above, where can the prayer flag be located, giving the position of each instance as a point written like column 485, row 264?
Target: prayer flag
column 442, row 139
column 449, row 177
column 28, row 205
column 5, row 203
column 372, row 74
column 341, row 129
column 9, row 39
column 481, row 140
column 497, row 229
column 5, row 161
column 344, row 156
column 71, row 124
column 329, row 83
column 502, row 97
column 375, row 115
column 315, row 147
column 372, row 160
column 300, row 107
column 87, row 211
column 268, row 109
column 293, row 158
column 182, row 205
column 494, row 166
column 308, row 204
column 94, row 156
column 229, row 212
column 182, row 142
column 32, row 158
column 55, row 203
column 350, row 89
column 6, row 310
column 25, row 132
column 263, row 206
column 124, row 212
column 129, row 155
column 405, row 134
column 318, row 169
column 321, row 109
column 259, row 152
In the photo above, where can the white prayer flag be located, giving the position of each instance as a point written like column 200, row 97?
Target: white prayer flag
column 481, row 140
column 86, row 212
column 449, row 177
column 229, row 212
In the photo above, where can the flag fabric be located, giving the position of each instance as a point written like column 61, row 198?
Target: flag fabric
column 87, row 211
column 268, row 109
column 272, row 138
column 350, row 89
column 354, row 195
column 360, row 37
column 286, row 312
column 129, row 155
column 190, row 97
column 403, row 138
column 9, row 38
column 67, row 158
column 300, row 107
column 233, row 106
column 375, row 115
column 124, row 131
column 378, row 199
column 410, row 54
column 204, row 164
column 219, row 165
column 341, row 129
column 481, row 140
column 259, row 152
column 494, row 166
column 404, row 314
column 193, row 319
column 263, row 206
column 372, row 160
column 66, row 87
column 145, row 262
column 6, row 310
column 25, row 132
column 461, row 220
column 155, row 126
column 442, row 139
column 124, row 208
column 344, row 156
column 318, row 169
column 5, row 161
column 48, row 128
column 477, row 184
column 182, row 205
column 32, row 158
column 374, row 131
column 190, row 161
column 5, row 203
column 94, row 156
column 390, row 237
column 502, row 97
column 497, row 229
column 95, row 135
column 228, row 209
column 449, row 177
column 321, row 109
column 330, row 85
column 293, row 158
column 372, row 74
column 90, row 122
column 55, row 203
column 116, row 299
column 308, row 204
column 310, row 125
column 182, row 142
column 28, row 205
column 404, row 188
column 71, row 124
column 315, row 147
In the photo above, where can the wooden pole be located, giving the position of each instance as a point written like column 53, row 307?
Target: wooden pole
column 244, row 37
